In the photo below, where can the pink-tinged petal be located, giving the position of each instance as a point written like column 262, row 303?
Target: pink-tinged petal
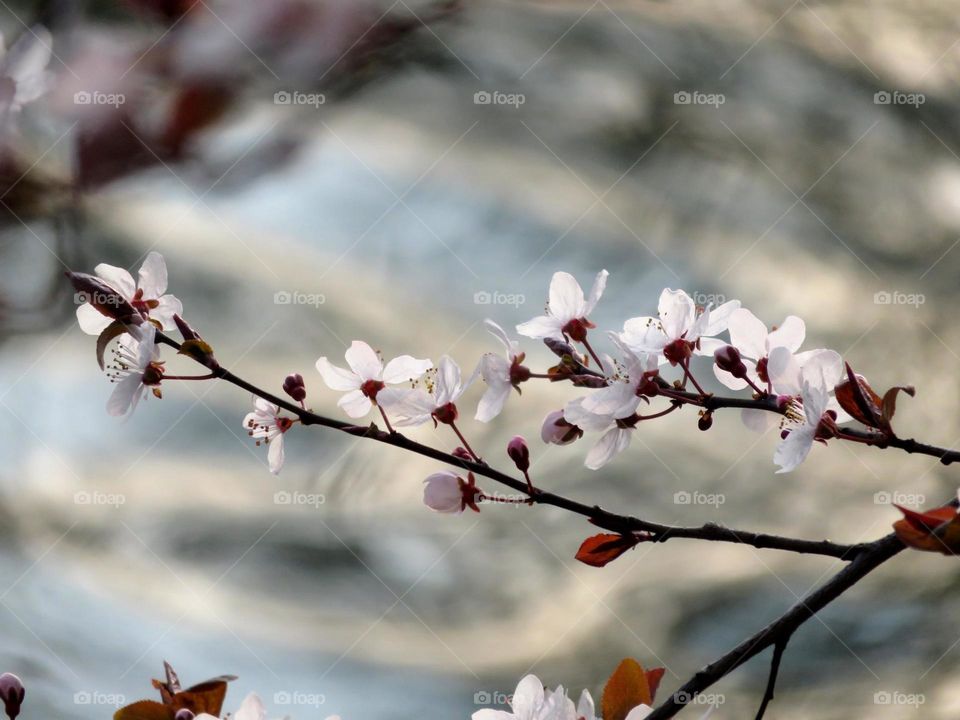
column 720, row 317
column 337, row 378
column 153, row 276
column 117, row 278
column 677, row 312
column 441, row 492
column 252, row 707
column 639, row 712
column 404, row 369
column 543, row 326
column 125, row 394
column 793, row 450
column 168, row 306
column 757, row 420
column 610, row 444
column 827, row 363
column 355, row 404
column 492, row 402
column 364, row 361
column 511, row 346
column 748, row 334
column 91, row 320
column 447, row 382
column 789, row 335
column 644, row 335
column 566, row 297
column 596, row 292
column 275, row 456
column 728, row 380
column 528, row 697
column 783, row 369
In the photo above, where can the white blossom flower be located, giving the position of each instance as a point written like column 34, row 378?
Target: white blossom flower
column 266, row 425
column 616, row 431
column 567, row 310
column 367, row 376
column 500, row 373
column 447, row 492
column 557, row 431
column 531, row 702
column 146, row 295
column 438, row 402
column 136, row 368
column 751, row 338
column 802, row 432
column 679, row 331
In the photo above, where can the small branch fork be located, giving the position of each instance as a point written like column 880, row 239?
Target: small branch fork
column 861, row 558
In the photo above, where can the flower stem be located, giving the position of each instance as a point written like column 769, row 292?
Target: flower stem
column 689, row 375
column 210, row 376
column 596, row 358
column 466, row 445
column 383, row 414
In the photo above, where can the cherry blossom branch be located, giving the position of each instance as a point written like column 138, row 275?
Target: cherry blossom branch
column 780, row 630
column 653, row 532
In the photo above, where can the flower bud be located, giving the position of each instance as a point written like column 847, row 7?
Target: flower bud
column 706, row 420
column 295, row 387
column 446, row 414
column 728, row 359
column 519, row 452
column 558, row 431
column 184, row 714
column 12, row 693
column 186, row 331
column 462, row 453
column 194, row 346
column 446, row 492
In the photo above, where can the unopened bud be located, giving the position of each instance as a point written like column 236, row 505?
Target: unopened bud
column 184, row 714
column 12, row 693
column 706, row 420
column 558, row 431
column 461, row 452
column 728, row 359
column 295, row 387
column 519, row 452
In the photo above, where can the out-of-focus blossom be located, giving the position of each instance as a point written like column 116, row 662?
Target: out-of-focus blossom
column 367, row 376
column 146, row 295
column 567, row 309
column 23, row 73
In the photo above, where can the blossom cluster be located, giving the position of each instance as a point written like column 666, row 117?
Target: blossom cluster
column 791, row 386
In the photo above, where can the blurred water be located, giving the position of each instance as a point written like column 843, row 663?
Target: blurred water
column 367, row 599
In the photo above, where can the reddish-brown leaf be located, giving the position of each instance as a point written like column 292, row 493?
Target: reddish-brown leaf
column 601, row 549
column 936, row 530
column 859, row 399
column 890, row 400
column 145, row 710
column 629, row 686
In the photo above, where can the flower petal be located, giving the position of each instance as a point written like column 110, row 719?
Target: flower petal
column 405, row 368
column 168, row 306
column 677, row 312
column 441, row 492
column 644, row 335
column 542, row 326
column 153, row 276
column 528, row 697
column 275, row 456
column 611, row 443
column 91, row 320
column 757, row 420
column 117, row 278
column 728, row 380
column 720, row 318
column 748, row 334
column 122, row 399
column 252, row 707
column 337, row 378
column 355, row 404
column 364, row 361
column 447, row 384
column 790, row 334
column 794, row 449
column 599, row 285
column 566, row 297
column 492, row 402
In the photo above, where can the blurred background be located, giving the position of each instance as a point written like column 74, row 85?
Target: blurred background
column 315, row 172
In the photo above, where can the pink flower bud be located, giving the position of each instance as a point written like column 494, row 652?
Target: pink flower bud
column 462, row 453
column 184, row 714
column 728, row 359
column 12, row 693
column 558, row 431
column 519, row 452
column 295, row 387
column 446, row 492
